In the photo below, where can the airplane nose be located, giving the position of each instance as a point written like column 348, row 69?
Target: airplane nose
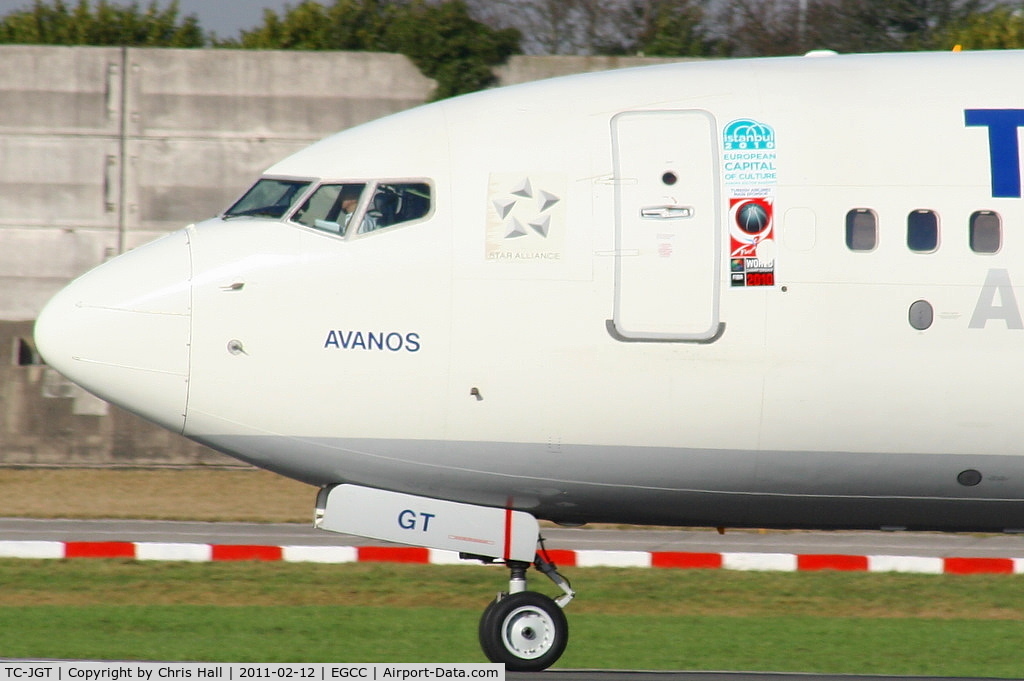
column 122, row 331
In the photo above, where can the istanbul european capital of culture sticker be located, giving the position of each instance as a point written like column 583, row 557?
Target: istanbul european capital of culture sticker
column 750, row 179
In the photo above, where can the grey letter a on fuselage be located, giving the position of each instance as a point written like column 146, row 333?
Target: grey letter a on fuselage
column 997, row 281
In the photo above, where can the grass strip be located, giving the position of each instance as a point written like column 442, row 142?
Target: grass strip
column 390, row 634
column 827, row 622
column 612, row 591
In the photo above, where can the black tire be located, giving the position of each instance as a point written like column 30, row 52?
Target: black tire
column 526, row 631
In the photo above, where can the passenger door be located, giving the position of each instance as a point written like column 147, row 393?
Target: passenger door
column 667, row 225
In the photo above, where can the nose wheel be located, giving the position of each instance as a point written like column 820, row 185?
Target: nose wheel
column 526, row 630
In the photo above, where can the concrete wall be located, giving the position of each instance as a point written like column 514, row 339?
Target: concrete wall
column 47, row 421
column 103, row 149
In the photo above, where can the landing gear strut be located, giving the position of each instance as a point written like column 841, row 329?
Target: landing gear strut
column 524, row 629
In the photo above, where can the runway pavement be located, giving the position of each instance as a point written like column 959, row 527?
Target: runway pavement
column 695, row 541
column 623, row 675
column 12, row 665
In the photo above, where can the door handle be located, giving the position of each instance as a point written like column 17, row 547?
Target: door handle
column 666, row 212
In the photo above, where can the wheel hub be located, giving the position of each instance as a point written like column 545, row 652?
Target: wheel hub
column 527, row 632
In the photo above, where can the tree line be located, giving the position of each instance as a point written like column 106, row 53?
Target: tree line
column 457, row 42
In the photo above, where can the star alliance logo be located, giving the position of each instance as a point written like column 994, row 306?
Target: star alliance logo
column 525, row 217
column 526, row 199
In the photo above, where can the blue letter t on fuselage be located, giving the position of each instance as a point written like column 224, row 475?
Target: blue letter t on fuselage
column 1003, row 148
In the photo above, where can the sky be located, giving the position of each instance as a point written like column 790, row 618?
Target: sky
column 224, row 17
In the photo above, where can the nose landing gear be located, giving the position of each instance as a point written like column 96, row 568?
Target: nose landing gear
column 526, row 630
column 523, row 629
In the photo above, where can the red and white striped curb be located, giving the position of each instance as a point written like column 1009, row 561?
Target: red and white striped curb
column 780, row 562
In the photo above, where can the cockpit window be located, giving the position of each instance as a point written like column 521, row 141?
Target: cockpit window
column 268, row 198
column 330, row 208
column 394, row 203
column 360, row 208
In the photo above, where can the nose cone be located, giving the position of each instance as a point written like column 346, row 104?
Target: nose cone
column 122, row 330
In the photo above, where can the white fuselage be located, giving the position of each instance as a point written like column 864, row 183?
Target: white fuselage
column 563, row 333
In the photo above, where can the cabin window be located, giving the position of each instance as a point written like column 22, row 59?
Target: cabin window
column 268, row 198
column 923, row 231
column 986, row 232
column 331, row 207
column 394, row 203
column 861, row 230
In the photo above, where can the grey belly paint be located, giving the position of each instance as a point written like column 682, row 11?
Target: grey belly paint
column 666, row 486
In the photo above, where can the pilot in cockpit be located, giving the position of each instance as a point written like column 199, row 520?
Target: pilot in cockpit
column 349, row 202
